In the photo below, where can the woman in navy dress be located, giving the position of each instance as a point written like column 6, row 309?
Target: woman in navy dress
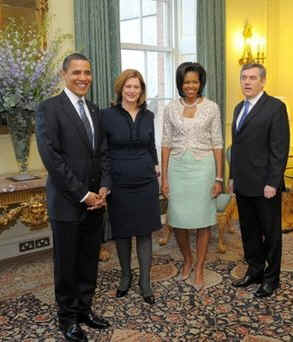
column 133, row 204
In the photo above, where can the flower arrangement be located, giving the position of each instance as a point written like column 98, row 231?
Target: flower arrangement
column 28, row 72
column 28, row 75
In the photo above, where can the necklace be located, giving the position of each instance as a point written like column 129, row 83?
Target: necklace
column 190, row 105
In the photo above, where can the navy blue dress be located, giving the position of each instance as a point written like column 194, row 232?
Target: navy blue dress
column 133, row 204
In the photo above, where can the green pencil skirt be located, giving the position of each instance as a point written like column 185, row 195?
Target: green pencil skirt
column 190, row 205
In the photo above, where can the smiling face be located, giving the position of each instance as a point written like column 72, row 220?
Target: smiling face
column 131, row 90
column 251, row 82
column 78, row 77
column 191, row 85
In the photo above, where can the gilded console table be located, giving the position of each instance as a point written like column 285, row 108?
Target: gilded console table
column 23, row 200
column 26, row 201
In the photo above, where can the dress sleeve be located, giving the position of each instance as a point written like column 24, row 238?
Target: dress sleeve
column 152, row 145
column 216, row 129
column 167, row 129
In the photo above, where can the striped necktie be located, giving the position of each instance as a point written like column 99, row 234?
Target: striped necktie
column 85, row 121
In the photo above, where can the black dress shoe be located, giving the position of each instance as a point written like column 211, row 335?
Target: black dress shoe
column 73, row 333
column 265, row 290
column 149, row 299
column 247, row 280
column 122, row 293
column 93, row 321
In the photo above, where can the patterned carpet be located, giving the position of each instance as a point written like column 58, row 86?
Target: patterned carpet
column 218, row 313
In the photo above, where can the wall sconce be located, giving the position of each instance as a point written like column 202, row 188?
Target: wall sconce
column 251, row 54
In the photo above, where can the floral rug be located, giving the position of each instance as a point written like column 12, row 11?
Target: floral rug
column 217, row 313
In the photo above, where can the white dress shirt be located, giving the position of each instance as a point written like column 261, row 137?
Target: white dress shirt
column 252, row 103
column 74, row 100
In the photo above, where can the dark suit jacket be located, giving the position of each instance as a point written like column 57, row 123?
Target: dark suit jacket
column 74, row 168
column 260, row 149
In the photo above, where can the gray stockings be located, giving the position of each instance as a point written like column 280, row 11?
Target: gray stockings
column 144, row 254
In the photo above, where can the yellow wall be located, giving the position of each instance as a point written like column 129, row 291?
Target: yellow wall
column 271, row 19
column 284, row 83
column 61, row 13
column 237, row 13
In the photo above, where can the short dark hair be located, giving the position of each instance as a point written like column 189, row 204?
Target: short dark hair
column 261, row 69
column 183, row 69
column 73, row 57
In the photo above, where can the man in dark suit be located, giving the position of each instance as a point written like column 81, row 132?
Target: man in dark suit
column 73, row 148
column 260, row 146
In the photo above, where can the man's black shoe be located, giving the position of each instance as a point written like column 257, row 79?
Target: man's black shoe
column 73, row 333
column 265, row 290
column 247, row 280
column 93, row 321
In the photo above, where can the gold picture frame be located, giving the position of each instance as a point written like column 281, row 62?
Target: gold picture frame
column 32, row 10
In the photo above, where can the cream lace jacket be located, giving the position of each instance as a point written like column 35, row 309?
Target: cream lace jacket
column 200, row 135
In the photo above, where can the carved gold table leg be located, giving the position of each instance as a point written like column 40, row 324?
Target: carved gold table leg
column 166, row 235
column 287, row 211
column 232, row 214
column 222, row 222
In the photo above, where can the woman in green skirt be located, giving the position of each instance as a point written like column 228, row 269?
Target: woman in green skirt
column 192, row 165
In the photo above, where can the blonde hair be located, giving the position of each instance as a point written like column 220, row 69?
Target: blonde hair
column 121, row 80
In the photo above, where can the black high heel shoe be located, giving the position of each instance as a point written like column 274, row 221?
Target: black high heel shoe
column 122, row 293
column 149, row 299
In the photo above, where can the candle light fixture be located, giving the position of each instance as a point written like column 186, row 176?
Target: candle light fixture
column 251, row 54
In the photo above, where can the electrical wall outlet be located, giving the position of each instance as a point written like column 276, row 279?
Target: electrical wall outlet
column 26, row 246
column 43, row 242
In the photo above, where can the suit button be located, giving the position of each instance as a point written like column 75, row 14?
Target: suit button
column 93, row 179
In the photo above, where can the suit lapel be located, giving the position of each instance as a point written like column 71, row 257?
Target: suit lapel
column 254, row 111
column 74, row 119
column 237, row 112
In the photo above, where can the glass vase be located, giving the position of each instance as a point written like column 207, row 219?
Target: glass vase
column 20, row 125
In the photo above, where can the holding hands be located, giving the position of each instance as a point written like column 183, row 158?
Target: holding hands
column 96, row 201
column 269, row 191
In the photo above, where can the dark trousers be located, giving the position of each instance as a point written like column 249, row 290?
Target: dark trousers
column 260, row 224
column 76, row 253
column 144, row 255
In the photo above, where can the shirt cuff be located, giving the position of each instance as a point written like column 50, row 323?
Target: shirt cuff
column 84, row 198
